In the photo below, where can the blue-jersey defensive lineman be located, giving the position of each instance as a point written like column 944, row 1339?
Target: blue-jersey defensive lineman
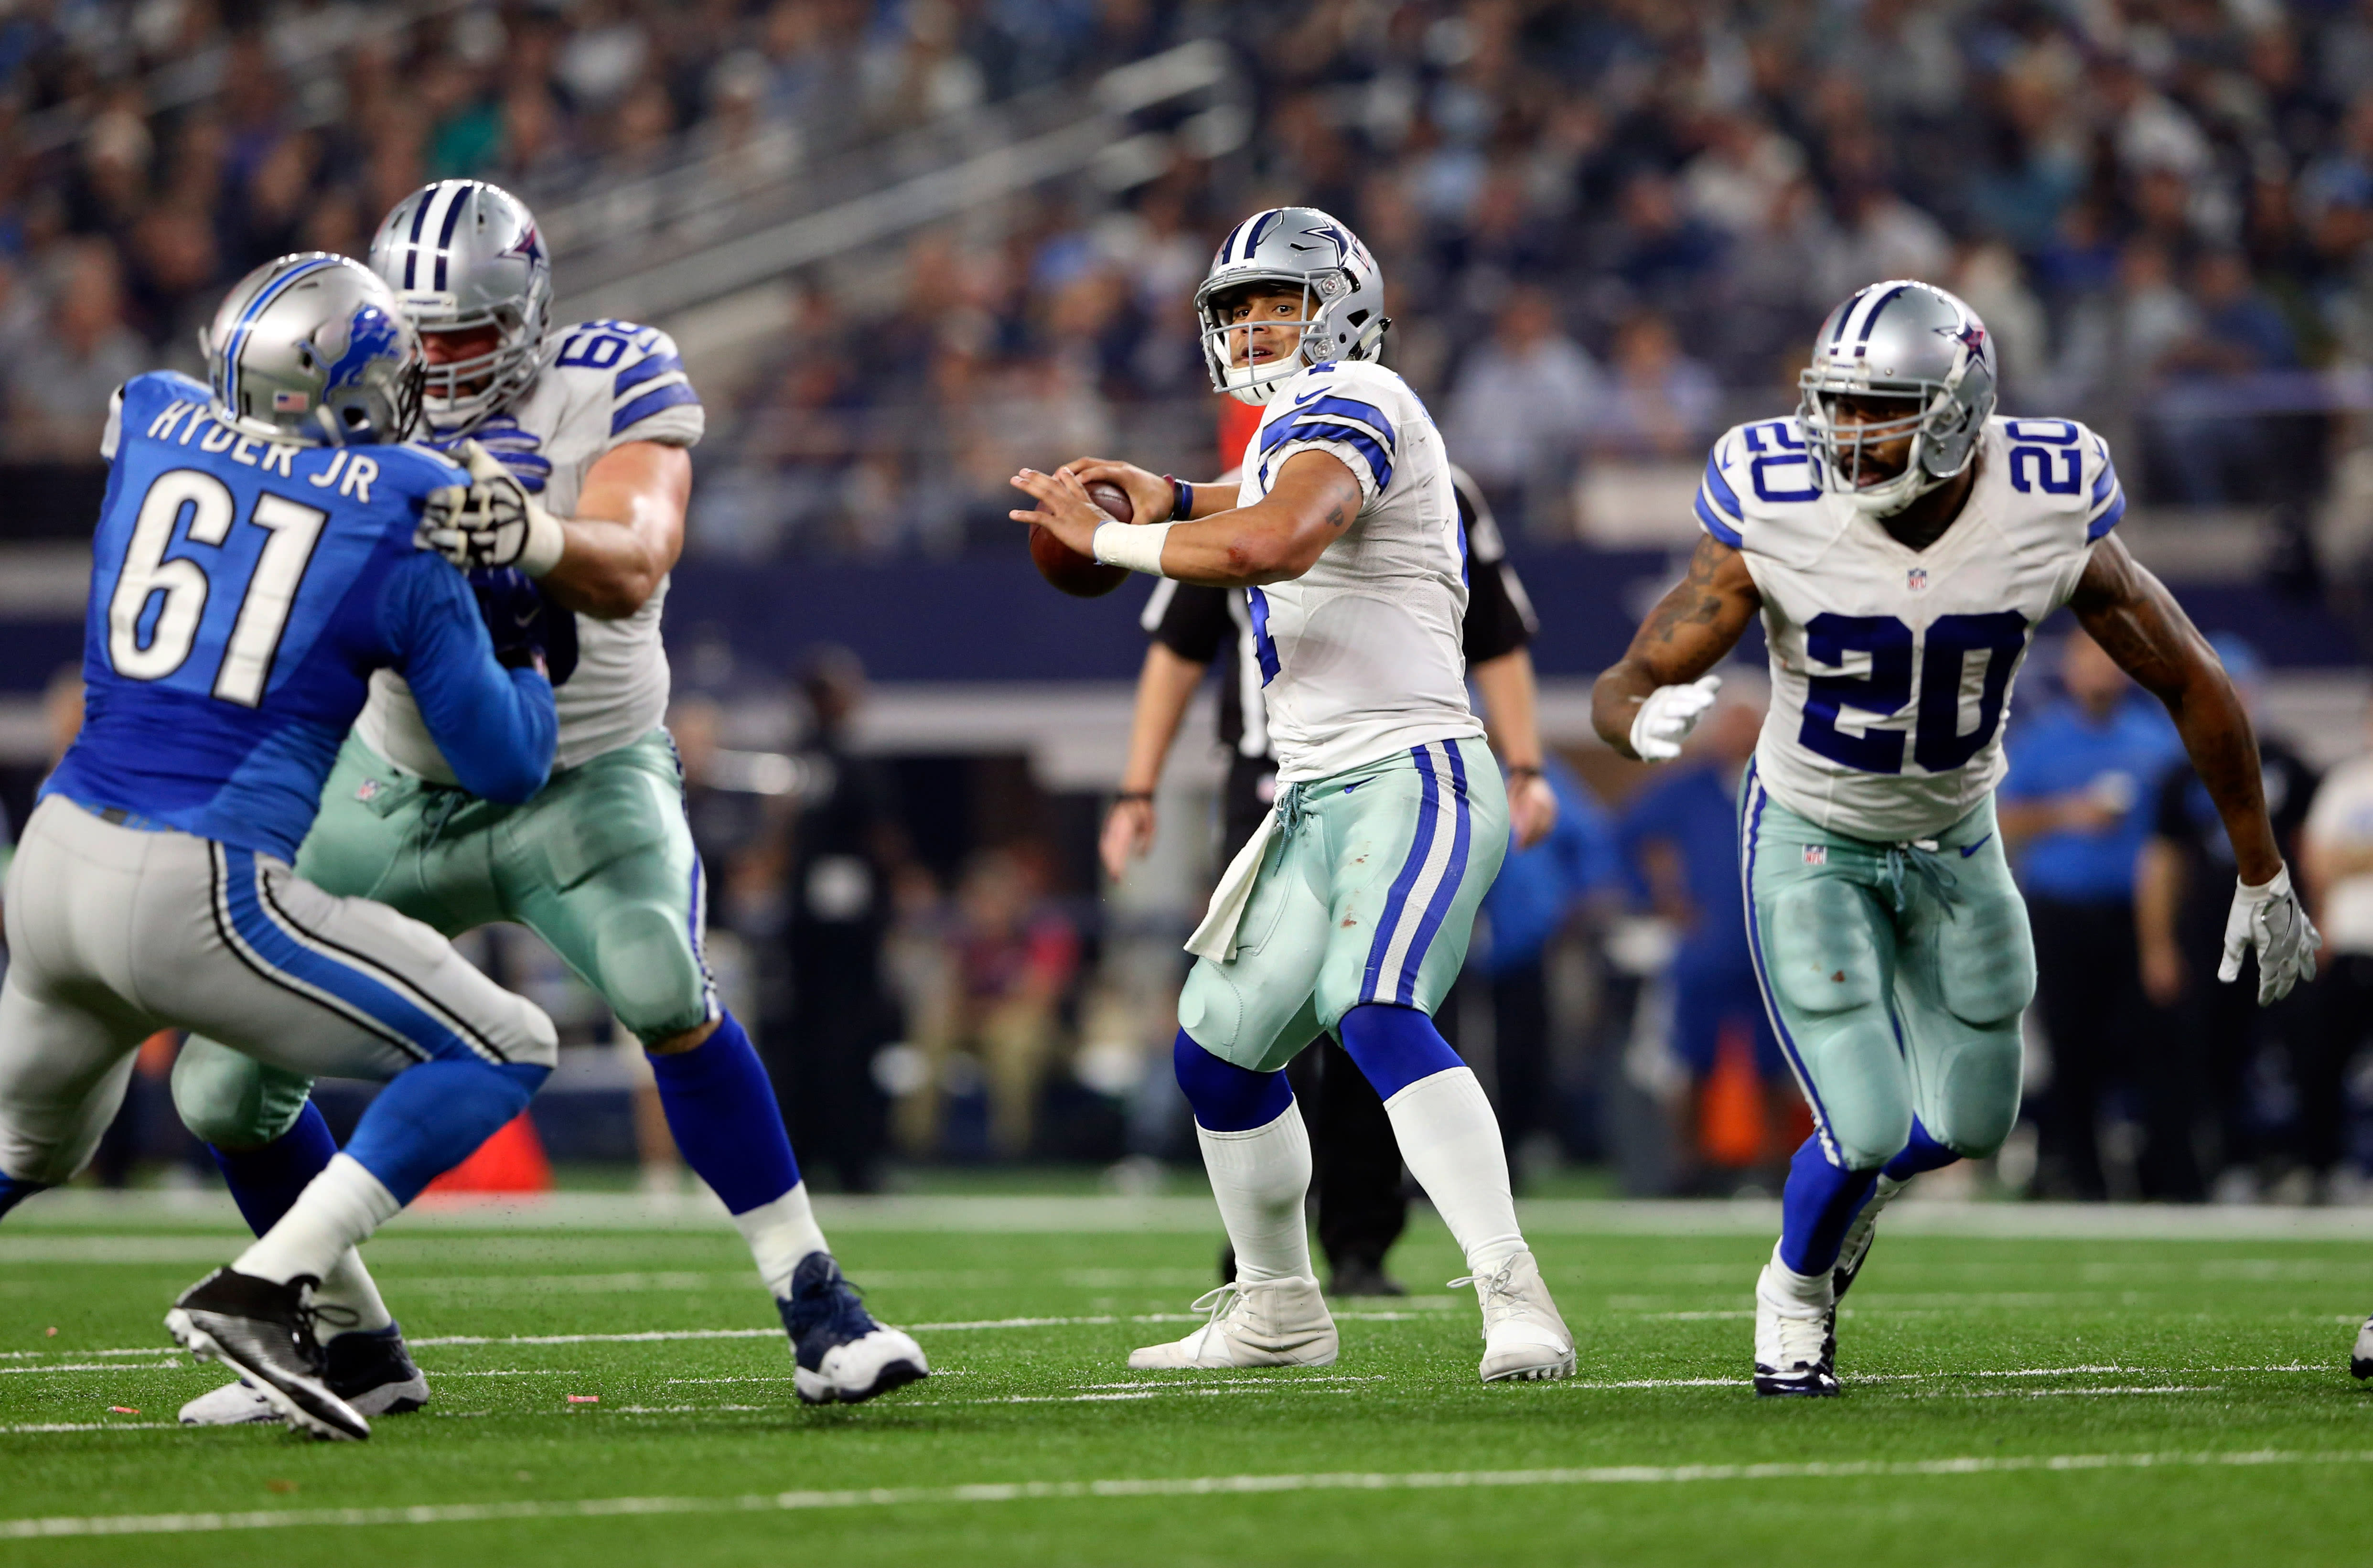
column 254, row 564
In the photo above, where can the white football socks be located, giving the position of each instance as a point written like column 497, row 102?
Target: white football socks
column 338, row 1209
column 349, row 1284
column 1450, row 1141
column 1811, row 1292
column 780, row 1235
column 1260, row 1179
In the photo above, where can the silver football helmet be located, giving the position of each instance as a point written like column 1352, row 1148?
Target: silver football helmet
column 1343, row 295
column 1903, row 340
column 463, row 253
column 313, row 348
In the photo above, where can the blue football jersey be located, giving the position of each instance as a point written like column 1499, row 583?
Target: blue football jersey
column 242, row 591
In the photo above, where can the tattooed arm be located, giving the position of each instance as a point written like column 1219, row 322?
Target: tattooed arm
column 2138, row 623
column 1274, row 540
column 1688, row 633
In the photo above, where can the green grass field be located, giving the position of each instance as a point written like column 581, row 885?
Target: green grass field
column 2105, row 1395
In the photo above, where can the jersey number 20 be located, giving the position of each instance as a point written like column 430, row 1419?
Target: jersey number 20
column 1939, row 745
column 270, row 591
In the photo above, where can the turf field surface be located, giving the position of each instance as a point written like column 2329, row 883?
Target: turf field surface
column 2110, row 1388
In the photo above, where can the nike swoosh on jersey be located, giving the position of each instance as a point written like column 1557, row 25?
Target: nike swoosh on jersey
column 1972, row 849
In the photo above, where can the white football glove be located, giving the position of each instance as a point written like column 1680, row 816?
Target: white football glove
column 491, row 521
column 1667, row 715
column 2270, row 919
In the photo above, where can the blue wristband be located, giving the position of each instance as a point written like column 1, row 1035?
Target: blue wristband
column 1182, row 500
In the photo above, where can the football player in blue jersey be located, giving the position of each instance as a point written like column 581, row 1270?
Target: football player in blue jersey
column 255, row 562
column 579, row 441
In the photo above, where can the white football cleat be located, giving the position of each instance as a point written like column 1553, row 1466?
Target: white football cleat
column 1795, row 1344
column 1524, row 1338
column 1266, row 1323
column 2360, row 1360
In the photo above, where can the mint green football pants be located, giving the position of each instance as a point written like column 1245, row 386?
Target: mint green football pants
column 1367, row 894
column 1895, row 976
column 600, row 864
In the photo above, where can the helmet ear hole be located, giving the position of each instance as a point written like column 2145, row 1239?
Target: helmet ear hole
column 1358, row 319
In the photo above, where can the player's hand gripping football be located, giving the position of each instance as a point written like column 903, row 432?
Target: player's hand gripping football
column 1148, row 492
column 2270, row 919
column 1063, row 510
column 492, row 521
column 1667, row 715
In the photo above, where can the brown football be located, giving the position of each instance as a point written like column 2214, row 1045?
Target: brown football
column 1083, row 576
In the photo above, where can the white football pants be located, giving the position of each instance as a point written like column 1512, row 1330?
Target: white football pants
column 115, row 932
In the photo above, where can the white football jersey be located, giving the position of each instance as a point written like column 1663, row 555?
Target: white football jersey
column 602, row 385
column 1361, row 655
column 1891, row 668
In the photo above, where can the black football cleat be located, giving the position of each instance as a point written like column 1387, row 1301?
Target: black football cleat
column 2360, row 1360
column 841, row 1354
column 264, row 1333
column 368, row 1369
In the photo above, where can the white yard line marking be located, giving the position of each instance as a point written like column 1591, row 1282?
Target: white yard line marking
column 1198, row 1486
column 2060, row 1393
column 87, row 1366
column 88, row 1425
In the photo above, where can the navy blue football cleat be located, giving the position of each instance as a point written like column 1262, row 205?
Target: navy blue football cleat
column 842, row 1355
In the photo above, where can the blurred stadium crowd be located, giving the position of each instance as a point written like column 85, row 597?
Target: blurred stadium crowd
column 1605, row 230
column 1603, row 226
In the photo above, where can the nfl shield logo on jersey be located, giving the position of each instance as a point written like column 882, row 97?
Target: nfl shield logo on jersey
column 1916, row 580
column 1816, row 854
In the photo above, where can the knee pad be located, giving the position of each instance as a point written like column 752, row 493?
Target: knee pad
column 649, row 974
column 231, row 1100
column 1985, row 960
column 1817, row 950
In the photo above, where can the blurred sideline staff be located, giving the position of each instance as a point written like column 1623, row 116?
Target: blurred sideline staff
column 1358, row 1163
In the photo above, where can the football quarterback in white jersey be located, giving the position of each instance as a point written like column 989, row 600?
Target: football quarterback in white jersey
column 1903, row 545
column 1350, row 908
column 578, row 442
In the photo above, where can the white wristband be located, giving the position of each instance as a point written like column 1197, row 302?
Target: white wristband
column 1136, row 545
column 546, row 541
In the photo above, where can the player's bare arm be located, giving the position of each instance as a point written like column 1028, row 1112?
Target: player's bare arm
column 1692, row 628
column 1275, row 540
column 2136, row 621
column 2140, row 626
column 628, row 531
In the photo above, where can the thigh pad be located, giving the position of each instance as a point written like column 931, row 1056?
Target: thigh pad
column 1818, row 949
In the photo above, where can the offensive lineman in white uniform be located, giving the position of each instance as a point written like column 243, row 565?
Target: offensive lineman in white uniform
column 1903, row 546
column 1350, row 908
column 577, row 446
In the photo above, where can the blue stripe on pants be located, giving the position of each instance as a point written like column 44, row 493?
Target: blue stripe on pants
column 1753, row 837
column 1390, row 919
column 389, row 1013
column 1451, row 876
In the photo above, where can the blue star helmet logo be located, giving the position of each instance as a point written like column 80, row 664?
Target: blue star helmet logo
column 1333, row 235
column 370, row 335
column 1970, row 335
column 527, row 245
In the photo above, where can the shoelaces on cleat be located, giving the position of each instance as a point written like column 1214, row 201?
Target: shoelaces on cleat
column 1804, row 1341
column 1500, row 1301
